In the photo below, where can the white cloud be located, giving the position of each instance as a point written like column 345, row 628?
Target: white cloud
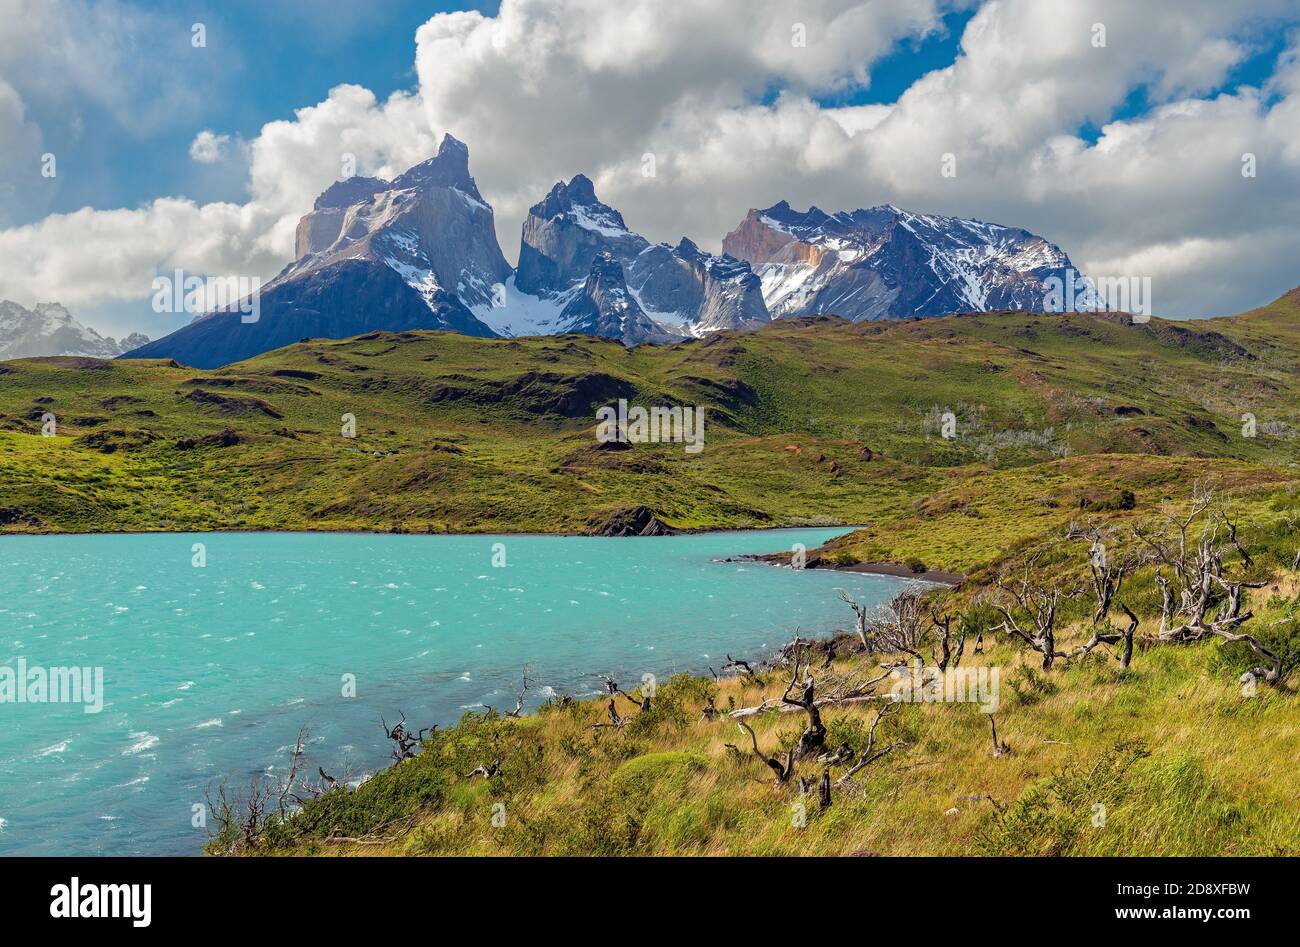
column 138, row 66
column 551, row 87
column 91, row 257
column 208, row 147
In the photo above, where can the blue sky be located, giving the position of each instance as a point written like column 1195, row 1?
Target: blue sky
column 264, row 60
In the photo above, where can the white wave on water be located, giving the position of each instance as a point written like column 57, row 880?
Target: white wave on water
column 3, row 823
column 138, row 781
column 54, row 748
column 144, row 741
column 214, row 722
column 186, row 686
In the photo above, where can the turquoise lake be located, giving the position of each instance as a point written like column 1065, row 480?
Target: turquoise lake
column 210, row 672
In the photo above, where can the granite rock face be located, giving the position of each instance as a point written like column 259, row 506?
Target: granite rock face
column 421, row 252
column 686, row 291
column 886, row 263
column 412, row 253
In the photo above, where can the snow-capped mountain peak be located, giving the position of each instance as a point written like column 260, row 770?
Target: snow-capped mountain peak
column 884, row 262
column 50, row 329
column 680, row 290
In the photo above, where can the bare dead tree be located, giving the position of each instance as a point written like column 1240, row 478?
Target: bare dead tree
column 945, row 653
column 1171, row 540
column 1107, row 569
column 615, row 721
column 487, row 772
column 1107, row 635
column 744, row 665
column 320, row 787
column 900, row 625
column 1198, row 598
column 405, row 740
column 781, row 771
column 843, row 753
column 1031, row 614
column 641, row 700
column 814, row 735
column 524, row 684
column 1247, row 562
column 834, row 689
column 1000, row 748
column 861, row 615
column 870, row 754
column 243, row 818
column 710, row 712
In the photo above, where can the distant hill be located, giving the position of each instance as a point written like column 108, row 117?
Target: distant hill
column 809, row 420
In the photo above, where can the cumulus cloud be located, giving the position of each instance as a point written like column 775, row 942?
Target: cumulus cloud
column 547, row 88
column 208, row 147
column 94, row 256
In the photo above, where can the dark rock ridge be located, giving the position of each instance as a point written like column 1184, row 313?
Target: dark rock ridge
column 637, row 521
column 336, row 301
column 606, row 308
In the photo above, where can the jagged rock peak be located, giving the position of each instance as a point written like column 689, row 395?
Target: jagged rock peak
column 448, row 168
column 578, row 200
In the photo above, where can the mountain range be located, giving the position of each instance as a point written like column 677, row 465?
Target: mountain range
column 420, row 252
column 49, row 329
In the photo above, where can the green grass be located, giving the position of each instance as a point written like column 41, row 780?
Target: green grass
column 1059, row 419
column 461, row 434
column 1179, row 761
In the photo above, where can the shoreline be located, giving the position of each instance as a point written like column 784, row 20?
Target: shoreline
column 898, row 570
column 890, row 569
column 4, row 533
column 895, row 570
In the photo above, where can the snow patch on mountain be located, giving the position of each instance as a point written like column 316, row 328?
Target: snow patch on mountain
column 887, row 263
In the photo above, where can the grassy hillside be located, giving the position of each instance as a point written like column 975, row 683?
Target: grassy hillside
column 809, row 421
column 1060, row 421
column 1174, row 755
